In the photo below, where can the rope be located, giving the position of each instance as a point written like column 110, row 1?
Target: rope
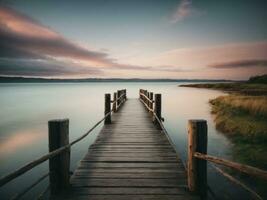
column 5, row 179
column 234, row 180
column 172, row 144
column 41, row 196
column 17, row 196
column 151, row 101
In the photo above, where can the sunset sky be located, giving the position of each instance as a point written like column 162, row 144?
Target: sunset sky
column 188, row 39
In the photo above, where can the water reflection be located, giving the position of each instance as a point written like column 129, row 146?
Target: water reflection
column 17, row 141
column 83, row 104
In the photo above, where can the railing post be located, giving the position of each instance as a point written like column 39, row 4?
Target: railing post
column 151, row 103
column 125, row 97
column 197, row 169
column 146, row 92
column 59, row 166
column 141, row 92
column 114, row 102
column 107, row 109
column 118, row 96
column 157, row 109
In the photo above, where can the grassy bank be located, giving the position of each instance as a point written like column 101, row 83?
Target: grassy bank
column 242, row 116
column 254, row 89
column 243, row 119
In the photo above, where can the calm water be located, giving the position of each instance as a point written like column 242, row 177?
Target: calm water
column 26, row 108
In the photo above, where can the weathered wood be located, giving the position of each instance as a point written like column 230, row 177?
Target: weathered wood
column 133, row 197
column 151, row 103
column 59, row 166
column 130, row 157
column 118, row 97
column 129, row 191
column 125, row 92
column 157, row 109
column 197, row 169
column 107, row 109
column 253, row 171
column 114, row 108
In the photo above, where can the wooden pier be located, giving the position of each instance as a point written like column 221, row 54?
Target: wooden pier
column 133, row 157
column 130, row 159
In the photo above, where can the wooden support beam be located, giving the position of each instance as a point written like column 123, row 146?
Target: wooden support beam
column 151, row 103
column 114, row 102
column 157, row 109
column 197, row 169
column 118, row 96
column 59, row 166
column 107, row 109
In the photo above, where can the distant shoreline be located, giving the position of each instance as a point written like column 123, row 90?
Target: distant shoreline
column 4, row 79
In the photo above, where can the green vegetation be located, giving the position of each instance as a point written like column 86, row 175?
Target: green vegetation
column 242, row 116
column 243, row 119
column 236, row 87
column 258, row 79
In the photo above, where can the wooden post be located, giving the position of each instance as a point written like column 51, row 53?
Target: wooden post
column 59, row 166
column 118, row 96
column 197, row 169
column 115, row 102
column 107, row 108
column 125, row 97
column 157, row 109
column 151, row 104
column 145, row 100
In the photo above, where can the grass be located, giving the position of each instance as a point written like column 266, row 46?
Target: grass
column 243, row 119
column 242, row 116
column 240, row 87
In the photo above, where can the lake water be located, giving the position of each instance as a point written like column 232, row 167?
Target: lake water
column 26, row 108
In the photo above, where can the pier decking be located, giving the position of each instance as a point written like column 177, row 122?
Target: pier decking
column 130, row 159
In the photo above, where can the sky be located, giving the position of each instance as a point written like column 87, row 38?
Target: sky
column 177, row 39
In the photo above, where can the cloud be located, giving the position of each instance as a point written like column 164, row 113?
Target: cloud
column 239, row 64
column 39, row 67
column 201, row 57
column 24, row 37
column 185, row 9
column 30, row 48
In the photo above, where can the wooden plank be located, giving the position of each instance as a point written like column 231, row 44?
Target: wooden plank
column 130, row 159
column 130, row 170
column 116, row 182
column 129, row 190
column 133, row 197
column 129, row 165
column 146, row 175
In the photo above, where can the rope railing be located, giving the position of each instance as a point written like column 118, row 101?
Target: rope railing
column 21, row 194
column 145, row 99
column 237, row 182
column 253, row 171
column 197, row 161
column 7, row 178
column 62, row 149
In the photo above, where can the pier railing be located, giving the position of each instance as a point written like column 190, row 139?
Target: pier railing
column 197, row 152
column 59, row 150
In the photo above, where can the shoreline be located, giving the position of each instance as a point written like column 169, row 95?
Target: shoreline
column 241, row 116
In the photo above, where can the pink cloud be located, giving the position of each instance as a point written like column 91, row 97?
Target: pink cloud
column 184, row 10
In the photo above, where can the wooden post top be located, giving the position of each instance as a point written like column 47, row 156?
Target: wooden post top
column 197, row 121
column 58, row 120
